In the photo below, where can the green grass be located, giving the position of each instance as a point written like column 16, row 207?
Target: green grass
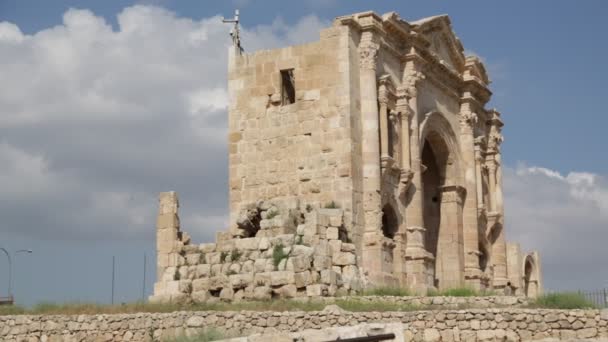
column 332, row 205
column 460, row 292
column 235, row 255
column 11, row 310
column 93, row 308
column 363, row 306
column 551, row 301
column 387, row 291
column 207, row 335
column 562, row 300
column 278, row 254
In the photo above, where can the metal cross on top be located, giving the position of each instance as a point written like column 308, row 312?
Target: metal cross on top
column 235, row 33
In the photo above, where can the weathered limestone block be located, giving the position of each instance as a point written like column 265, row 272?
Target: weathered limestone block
column 335, row 246
column 202, row 284
column 213, row 258
column 262, row 293
column 200, row 296
column 170, row 220
column 263, row 243
column 246, row 244
column 193, row 258
column 302, row 279
column 259, row 265
column 183, row 272
column 316, row 290
column 169, row 274
column 300, row 263
column 240, row 281
column 262, row 279
column 172, row 287
column 227, row 294
column 347, row 247
column 344, row 258
column 218, row 282
column 310, row 230
column 332, row 233
column 207, row 247
column 298, row 250
column 185, row 286
column 321, row 262
column 203, row 270
column 329, row 277
column 287, row 291
column 247, row 267
column 226, row 245
column 234, row 268
column 282, row 278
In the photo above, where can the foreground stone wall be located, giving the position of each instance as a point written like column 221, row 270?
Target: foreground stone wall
column 447, row 325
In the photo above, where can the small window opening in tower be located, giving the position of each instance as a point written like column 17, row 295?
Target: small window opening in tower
column 288, row 89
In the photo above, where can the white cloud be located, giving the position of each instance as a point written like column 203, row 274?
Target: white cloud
column 96, row 121
column 586, row 187
column 10, row 32
column 565, row 217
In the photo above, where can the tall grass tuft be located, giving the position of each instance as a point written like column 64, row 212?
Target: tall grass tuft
column 562, row 300
column 387, row 291
column 457, row 292
column 11, row 310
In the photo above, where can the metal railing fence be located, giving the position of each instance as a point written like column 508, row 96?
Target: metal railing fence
column 599, row 298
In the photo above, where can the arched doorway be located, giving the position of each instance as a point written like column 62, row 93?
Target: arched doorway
column 431, row 180
column 442, row 200
column 530, row 277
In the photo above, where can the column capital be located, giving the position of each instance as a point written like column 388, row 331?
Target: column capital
column 467, row 122
column 452, row 193
column 494, row 140
column 368, row 53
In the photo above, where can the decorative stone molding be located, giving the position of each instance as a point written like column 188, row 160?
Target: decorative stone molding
column 452, row 193
column 494, row 139
column 386, row 90
column 467, row 121
column 368, row 54
column 412, row 77
column 405, row 181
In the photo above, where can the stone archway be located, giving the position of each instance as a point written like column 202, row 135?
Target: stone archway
column 442, row 200
column 530, row 277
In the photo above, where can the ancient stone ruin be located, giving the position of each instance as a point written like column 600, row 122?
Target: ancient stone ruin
column 364, row 159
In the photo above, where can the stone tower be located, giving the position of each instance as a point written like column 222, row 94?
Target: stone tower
column 378, row 130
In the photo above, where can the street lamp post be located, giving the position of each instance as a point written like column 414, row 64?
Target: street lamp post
column 10, row 268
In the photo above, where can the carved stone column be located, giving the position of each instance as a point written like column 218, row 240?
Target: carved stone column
column 371, row 244
column 478, row 163
column 499, row 247
column 470, row 219
column 383, row 101
column 405, row 112
column 418, row 261
column 491, row 164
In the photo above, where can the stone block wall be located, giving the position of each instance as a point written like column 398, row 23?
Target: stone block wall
column 293, row 150
column 432, row 326
column 294, row 253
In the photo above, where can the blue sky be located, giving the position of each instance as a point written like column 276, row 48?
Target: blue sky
column 82, row 175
